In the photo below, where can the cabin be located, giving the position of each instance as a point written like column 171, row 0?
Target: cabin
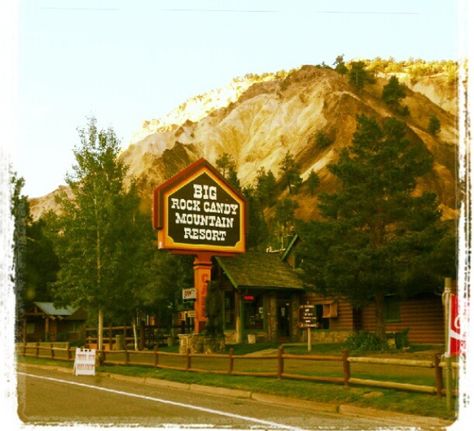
column 262, row 294
column 42, row 321
column 421, row 314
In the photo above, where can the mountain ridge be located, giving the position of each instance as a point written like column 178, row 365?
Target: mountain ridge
column 264, row 116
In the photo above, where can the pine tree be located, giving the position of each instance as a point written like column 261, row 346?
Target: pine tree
column 434, row 125
column 313, row 182
column 340, row 65
column 359, row 76
column 374, row 227
column 393, row 92
column 290, row 173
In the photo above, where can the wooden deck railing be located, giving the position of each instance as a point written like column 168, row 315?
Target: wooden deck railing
column 226, row 364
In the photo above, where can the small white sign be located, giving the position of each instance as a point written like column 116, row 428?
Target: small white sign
column 84, row 362
column 189, row 293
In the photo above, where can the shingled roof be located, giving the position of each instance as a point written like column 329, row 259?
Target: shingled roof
column 259, row 270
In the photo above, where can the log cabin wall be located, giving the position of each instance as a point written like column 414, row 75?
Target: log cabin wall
column 423, row 315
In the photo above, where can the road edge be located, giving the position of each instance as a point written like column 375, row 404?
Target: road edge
column 348, row 410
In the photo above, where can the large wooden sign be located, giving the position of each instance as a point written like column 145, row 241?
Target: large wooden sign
column 198, row 210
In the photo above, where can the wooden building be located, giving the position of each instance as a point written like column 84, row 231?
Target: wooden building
column 421, row 314
column 44, row 322
column 262, row 294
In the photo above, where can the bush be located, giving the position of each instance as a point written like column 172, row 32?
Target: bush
column 362, row 341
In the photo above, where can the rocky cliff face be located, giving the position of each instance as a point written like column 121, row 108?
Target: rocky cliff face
column 257, row 119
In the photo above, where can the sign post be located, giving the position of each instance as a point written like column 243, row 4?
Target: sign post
column 198, row 212
column 453, row 338
column 307, row 319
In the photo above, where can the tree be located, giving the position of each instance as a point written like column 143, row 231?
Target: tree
column 21, row 217
column 265, row 186
column 313, row 182
column 224, row 162
column 228, row 168
column 373, row 227
column 359, row 76
column 340, row 65
column 434, row 125
column 393, row 92
column 289, row 173
column 285, row 219
column 257, row 229
column 322, row 140
column 95, row 242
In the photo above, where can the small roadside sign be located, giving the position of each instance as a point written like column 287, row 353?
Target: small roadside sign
column 84, row 362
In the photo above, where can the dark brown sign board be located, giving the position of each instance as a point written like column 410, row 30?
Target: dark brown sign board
column 198, row 210
column 307, row 316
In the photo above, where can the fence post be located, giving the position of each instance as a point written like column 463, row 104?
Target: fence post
column 110, row 338
column 68, row 353
column 127, row 358
column 52, row 351
column 438, row 374
column 24, row 348
column 188, row 359
column 156, row 355
column 346, row 367
column 281, row 365
column 231, row 360
column 37, row 348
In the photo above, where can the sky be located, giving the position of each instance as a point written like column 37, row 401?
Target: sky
column 124, row 62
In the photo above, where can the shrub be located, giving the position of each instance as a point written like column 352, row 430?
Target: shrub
column 362, row 341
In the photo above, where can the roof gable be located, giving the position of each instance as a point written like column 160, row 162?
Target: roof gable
column 259, row 270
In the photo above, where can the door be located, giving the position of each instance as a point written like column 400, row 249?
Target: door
column 284, row 318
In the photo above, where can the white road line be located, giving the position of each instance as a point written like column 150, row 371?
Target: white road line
column 160, row 400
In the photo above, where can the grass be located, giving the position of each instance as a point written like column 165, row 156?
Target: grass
column 385, row 399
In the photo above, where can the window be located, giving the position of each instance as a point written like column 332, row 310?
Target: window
column 253, row 312
column 229, row 309
column 391, row 309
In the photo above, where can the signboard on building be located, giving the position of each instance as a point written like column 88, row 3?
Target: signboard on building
column 189, row 294
column 307, row 316
column 198, row 210
column 84, row 362
column 455, row 344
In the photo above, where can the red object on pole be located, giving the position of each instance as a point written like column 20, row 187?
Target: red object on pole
column 456, row 343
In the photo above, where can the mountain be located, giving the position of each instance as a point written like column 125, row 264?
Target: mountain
column 258, row 118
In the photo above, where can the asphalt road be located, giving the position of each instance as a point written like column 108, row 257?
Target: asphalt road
column 51, row 397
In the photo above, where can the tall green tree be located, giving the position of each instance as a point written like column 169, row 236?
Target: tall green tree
column 376, row 236
column 393, row 92
column 257, row 229
column 20, row 212
column 434, row 125
column 358, row 75
column 290, row 173
column 285, row 220
column 313, row 182
column 265, row 186
column 341, row 67
column 94, row 242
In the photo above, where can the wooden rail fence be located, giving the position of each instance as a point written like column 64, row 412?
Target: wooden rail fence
column 185, row 363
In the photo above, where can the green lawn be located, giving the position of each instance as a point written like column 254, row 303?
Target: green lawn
column 400, row 401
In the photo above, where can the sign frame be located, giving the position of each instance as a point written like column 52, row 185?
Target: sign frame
column 162, row 210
